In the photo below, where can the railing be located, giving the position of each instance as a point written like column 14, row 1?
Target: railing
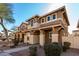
column 35, row 25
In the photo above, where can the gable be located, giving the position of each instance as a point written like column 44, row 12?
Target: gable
column 23, row 26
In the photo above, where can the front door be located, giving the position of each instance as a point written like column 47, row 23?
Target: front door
column 60, row 36
column 48, row 37
column 22, row 37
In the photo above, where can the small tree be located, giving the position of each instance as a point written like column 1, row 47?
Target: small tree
column 6, row 16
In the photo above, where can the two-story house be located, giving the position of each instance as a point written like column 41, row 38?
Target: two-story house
column 45, row 29
column 22, row 29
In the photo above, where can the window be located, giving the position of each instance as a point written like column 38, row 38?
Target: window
column 50, row 34
column 42, row 20
column 48, row 18
column 54, row 16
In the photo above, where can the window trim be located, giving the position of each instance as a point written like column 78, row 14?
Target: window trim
column 49, row 17
column 50, row 34
column 55, row 15
column 43, row 19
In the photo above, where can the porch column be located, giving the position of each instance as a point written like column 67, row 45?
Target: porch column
column 42, row 37
column 32, row 37
column 54, row 35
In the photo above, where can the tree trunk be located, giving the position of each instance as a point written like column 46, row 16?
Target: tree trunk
column 5, row 30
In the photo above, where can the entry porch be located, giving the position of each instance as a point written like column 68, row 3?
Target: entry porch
column 47, row 35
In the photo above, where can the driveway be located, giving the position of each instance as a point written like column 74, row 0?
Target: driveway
column 7, row 52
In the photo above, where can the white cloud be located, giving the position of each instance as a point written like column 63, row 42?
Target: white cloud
column 52, row 6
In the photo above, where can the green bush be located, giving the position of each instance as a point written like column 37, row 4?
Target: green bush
column 53, row 49
column 33, row 50
column 66, row 46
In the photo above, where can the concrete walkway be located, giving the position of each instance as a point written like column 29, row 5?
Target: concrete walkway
column 71, row 52
column 4, row 54
column 7, row 52
column 40, row 51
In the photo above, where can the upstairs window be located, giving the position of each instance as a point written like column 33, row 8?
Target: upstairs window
column 48, row 18
column 54, row 16
column 42, row 20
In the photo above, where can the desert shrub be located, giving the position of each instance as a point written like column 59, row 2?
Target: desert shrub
column 66, row 46
column 53, row 49
column 33, row 50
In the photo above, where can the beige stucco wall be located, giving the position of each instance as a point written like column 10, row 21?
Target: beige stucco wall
column 74, row 40
column 25, row 37
column 33, row 39
column 75, row 33
column 54, row 37
column 36, row 39
column 42, row 37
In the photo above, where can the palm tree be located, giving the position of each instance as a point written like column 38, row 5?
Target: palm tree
column 6, row 16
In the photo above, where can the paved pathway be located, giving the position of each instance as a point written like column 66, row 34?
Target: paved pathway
column 40, row 51
column 71, row 52
column 7, row 52
column 4, row 54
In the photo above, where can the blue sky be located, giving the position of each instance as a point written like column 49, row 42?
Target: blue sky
column 23, row 11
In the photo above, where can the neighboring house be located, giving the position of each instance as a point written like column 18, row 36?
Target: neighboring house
column 73, row 38
column 11, row 36
column 22, row 29
column 45, row 29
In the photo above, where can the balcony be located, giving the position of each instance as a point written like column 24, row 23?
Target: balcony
column 52, row 22
column 35, row 25
column 57, row 22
